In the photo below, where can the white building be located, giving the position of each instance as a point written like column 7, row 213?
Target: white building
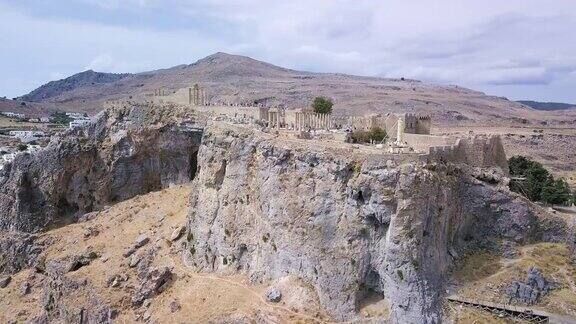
column 6, row 158
column 27, row 136
column 13, row 114
column 79, row 122
column 75, row 115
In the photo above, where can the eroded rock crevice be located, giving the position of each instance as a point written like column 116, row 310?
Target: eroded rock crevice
column 353, row 227
column 120, row 155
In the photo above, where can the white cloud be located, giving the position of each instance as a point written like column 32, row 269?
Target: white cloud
column 517, row 46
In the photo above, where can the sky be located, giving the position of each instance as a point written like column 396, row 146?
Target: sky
column 520, row 49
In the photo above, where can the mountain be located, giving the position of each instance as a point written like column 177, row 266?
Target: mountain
column 547, row 105
column 239, row 79
column 88, row 78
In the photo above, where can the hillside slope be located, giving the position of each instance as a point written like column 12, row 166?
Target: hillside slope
column 239, row 79
column 54, row 89
column 547, row 105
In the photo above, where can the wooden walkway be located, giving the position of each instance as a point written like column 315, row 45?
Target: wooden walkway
column 516, row 312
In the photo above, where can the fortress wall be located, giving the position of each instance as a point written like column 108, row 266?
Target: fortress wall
column 421, row 142
column 415, row 124
column 482, row 152
column 423, row 125
column 410, row 124
column 233, row 111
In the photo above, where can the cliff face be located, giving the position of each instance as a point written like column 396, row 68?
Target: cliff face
column 351, row 225
column 123, row 153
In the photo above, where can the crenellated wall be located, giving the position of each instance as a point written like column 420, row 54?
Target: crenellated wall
column 483, row 152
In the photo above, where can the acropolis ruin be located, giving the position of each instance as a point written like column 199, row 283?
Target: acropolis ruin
column 406, row 133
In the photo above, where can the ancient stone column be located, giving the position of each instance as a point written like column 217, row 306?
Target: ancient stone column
column 278, row 123
column 400, row 131
column 297, row 117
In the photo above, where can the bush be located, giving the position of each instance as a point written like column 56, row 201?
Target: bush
column 556, row 192
column 377, row 135
column 322, row 105
column 60, row 118
column 535, row 176
column 538, row 184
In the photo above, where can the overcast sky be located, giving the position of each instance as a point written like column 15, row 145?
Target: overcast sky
column 521, row 49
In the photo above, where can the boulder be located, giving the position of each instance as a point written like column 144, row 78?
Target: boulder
column 25, row 288
column 5, row 281
column 175, row 306
column 177, row 233
column 155, row 283
column 141, row 241
column 273, row 295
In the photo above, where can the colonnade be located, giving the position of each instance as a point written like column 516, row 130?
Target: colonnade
column 305, row 120
column 160, row 92
column 274, row 119
column 196, row 96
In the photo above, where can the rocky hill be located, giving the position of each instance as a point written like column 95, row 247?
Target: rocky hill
column 84, row 79
column 239, row 79
column 304, row 231
column 547, row 105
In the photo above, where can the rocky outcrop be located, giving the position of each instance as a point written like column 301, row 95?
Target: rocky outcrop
column 19, row 251
column 350, row 224
column 530, row 291
column 64, row 298
column 124, row 152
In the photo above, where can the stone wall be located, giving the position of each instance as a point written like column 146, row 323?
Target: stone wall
column 422, row 143
column 482, row 152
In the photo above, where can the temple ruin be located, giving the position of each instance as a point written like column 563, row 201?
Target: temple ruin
column 406, row 133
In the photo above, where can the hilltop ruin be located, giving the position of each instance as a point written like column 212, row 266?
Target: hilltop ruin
column 407, row 133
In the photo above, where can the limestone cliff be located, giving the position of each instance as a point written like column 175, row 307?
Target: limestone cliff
column 351, row 224
column 124, row 152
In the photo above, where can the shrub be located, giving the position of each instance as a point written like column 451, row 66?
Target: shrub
column 60, row 118
column 535, row 176
column 322, row 105
column 556, row 192
column 538, row 184
column 377, row 135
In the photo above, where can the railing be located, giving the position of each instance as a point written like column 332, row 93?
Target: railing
column 523, row 314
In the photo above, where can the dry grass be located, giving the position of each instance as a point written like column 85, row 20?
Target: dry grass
column 203, row 297
column 484, row 277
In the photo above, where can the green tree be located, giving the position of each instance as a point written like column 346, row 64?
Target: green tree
column 377, row 135
column 556, row 192
column 60, row 118
column 536, row 183
column 322, row 105
column 534, row 174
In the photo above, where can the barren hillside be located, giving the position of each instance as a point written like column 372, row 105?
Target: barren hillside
column 239, row 79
